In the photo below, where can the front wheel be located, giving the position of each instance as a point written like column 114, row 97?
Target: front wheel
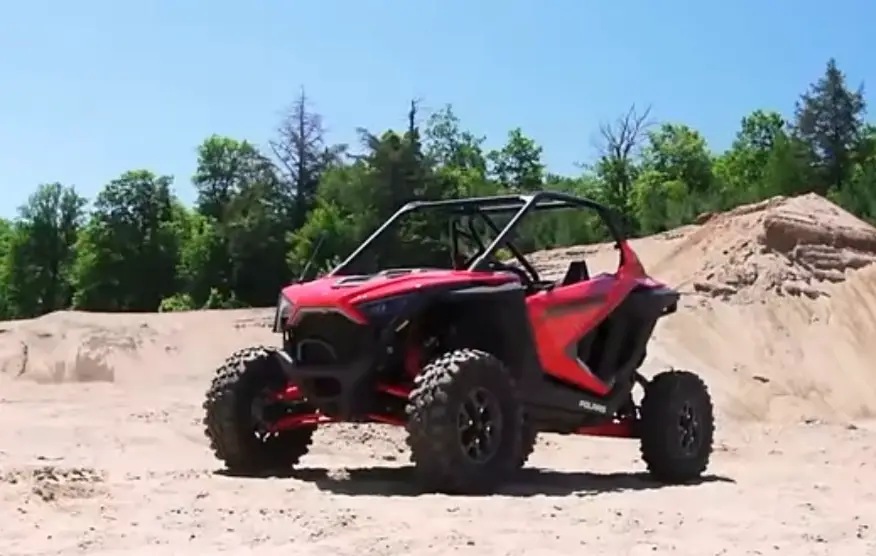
column 234, row 405
column 677, row 427
column 465, row 423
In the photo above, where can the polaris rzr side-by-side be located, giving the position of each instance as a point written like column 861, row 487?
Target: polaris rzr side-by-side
column 474, row 359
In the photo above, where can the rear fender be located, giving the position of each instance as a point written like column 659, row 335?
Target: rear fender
column 651, row 300
column 645, row 305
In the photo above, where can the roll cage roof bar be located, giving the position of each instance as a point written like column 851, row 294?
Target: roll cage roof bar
column 520, row 204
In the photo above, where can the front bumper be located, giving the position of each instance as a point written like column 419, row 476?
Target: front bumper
column 338, row 390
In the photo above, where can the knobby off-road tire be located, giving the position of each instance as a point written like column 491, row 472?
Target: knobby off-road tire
column 671, row 399
column 443, row 389
column 247, row 375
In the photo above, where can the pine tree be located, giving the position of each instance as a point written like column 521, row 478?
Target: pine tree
column 830, row 121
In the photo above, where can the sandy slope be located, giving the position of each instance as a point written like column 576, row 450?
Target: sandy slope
column 101, row 451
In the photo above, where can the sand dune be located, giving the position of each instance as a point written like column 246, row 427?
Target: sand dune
column 101, row 449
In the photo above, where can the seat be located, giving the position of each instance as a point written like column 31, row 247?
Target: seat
column 577, row 272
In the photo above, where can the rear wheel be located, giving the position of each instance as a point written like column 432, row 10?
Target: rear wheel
column 236, row 408
column 465, row 423
column 677, row 427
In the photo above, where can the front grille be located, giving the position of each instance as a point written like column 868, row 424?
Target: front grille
column 326, row 338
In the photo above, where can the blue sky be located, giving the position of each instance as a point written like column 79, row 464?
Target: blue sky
column 92, row 88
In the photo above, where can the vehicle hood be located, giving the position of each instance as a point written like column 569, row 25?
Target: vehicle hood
column 348, row 291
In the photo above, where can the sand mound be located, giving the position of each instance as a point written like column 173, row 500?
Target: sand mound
column 53, row 350
column 793, row 246
column 787, row 304
column 71, row 346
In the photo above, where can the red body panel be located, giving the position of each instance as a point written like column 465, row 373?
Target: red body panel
column 325, row 293
column 562, row 316
column 615, row 429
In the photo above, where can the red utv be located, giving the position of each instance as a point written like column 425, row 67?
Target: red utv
column 474, row 359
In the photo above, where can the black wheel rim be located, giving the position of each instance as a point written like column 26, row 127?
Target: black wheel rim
column 258, row 408
column 689, row 436
column 479, row 422
column 264, row 411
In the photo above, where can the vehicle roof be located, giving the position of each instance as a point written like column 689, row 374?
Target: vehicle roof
column 541, row 200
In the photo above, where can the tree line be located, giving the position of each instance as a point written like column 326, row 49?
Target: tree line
column 258, row 212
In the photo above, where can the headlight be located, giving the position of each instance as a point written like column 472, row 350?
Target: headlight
column 386, row 308
column 284, row 309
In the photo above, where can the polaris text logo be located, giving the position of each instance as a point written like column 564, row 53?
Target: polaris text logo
column 590, row 406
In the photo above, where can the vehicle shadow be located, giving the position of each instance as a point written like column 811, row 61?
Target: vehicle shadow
column 400, row 481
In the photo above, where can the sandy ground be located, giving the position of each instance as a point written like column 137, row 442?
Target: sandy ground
column 101, row 448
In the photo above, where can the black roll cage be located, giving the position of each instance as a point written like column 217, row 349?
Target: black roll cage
column 483, row 207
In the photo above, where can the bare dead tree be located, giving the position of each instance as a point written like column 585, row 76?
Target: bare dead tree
column 413, row 115
column 618, row 145
column 302, row 154
column 621, row 138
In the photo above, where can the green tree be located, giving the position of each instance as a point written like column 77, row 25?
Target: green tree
column 225, row 167
column 457, row 156
column 5, row 237
column 858, row 194
column 829, row 119
column 518, row 165
column 39, row 251
column 128, row 253
column 741, row 171
column 345, row 213
column 239, row 233
column 676, row 182
column 447, row 145
column 660, row 202
column 203, row 260
column 256, row 238
column 680, row 153
column 788, row 169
